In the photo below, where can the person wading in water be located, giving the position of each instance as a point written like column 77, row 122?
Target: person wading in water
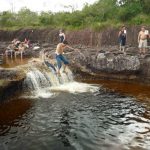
column 142, row 40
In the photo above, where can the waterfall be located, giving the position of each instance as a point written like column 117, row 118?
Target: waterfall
column 42, row 81
column 39, row 82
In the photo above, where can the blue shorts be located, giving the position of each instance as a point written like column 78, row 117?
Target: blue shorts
column 60, row 58
column 122, row 41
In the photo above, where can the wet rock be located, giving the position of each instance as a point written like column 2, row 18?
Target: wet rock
column 12, row 74
column 107, row 61
column 146, row 67
column 9, row 89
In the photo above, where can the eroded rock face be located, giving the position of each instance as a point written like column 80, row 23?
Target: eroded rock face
column 108, row 62
column 112, row 63
column 10, row 82
column 9, row 89
column 145, row 69
column 86, row 37
column 11, row 79
column 12, row 74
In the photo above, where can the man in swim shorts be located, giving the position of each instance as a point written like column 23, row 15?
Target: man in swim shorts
column 142, row 40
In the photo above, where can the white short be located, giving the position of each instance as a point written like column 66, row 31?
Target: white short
column 143, row 43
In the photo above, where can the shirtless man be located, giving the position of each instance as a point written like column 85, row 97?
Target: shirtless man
column 59, row 55
column 142, row 40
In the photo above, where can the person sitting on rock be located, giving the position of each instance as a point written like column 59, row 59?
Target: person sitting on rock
column 14, row 41
column 9, row 49
column 27, row 42
column 21, row 46
column 20, row 49
column 16, row 45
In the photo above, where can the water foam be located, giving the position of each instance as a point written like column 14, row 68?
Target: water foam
column 45, row 83
column 75, row 87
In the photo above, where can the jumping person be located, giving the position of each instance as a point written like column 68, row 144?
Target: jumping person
column 122, row 38
column 62, row 36
column 59, row 55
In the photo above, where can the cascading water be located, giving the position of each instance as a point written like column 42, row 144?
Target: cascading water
column 44, row 83
column 39, row 82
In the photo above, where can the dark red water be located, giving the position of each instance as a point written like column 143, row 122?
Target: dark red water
column 8, row 62
column 116, row 117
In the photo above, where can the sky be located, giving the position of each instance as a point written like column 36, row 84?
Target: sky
column 43, row 5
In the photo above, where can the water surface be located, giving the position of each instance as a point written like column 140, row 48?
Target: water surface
column 57, row 113
column 8, row 62
column 79, row 119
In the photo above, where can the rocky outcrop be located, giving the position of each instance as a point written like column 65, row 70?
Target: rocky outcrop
column 35, row 35
column 12, row 74
column 88, row 37
column 145, row 69
column 9, row 89
column 12, row 79
column 98, row 57
column 104, row 63
column 105, row 37
column 10, row 82
column 112, row 64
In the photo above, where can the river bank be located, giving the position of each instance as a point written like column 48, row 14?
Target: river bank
column 77, row 116
column 106, row 62
column 62, row 113
column 87, row 37
column 99, row 57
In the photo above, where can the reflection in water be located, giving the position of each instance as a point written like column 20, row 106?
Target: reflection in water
column 9, row 62
column 98, row 120
column 10, row 113
column 64, row 128
column 141, row 92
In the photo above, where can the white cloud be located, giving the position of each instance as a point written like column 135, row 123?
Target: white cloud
column 42, row 5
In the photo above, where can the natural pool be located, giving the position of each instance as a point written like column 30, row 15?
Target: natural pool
column 62, row 114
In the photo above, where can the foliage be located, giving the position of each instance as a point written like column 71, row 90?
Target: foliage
column 101, row 14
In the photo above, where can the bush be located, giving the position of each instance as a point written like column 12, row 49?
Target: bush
column 140, row 19
column 102, row 14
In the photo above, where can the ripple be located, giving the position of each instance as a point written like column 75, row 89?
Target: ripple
column 68, row 121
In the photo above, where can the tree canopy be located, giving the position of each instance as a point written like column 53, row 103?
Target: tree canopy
column 101, row 14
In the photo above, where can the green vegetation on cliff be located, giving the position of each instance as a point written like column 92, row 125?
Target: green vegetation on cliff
column 101, row 14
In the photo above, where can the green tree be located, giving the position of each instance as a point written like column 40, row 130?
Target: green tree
column 26, row 17
column 7, row 19
column 46, row 18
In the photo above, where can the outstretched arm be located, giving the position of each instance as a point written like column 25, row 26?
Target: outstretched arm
column 73, row 48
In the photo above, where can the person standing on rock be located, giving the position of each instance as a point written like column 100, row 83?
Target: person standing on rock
column 122, row 38
column 142, row 40
column 59, row 55
column 62, row 36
